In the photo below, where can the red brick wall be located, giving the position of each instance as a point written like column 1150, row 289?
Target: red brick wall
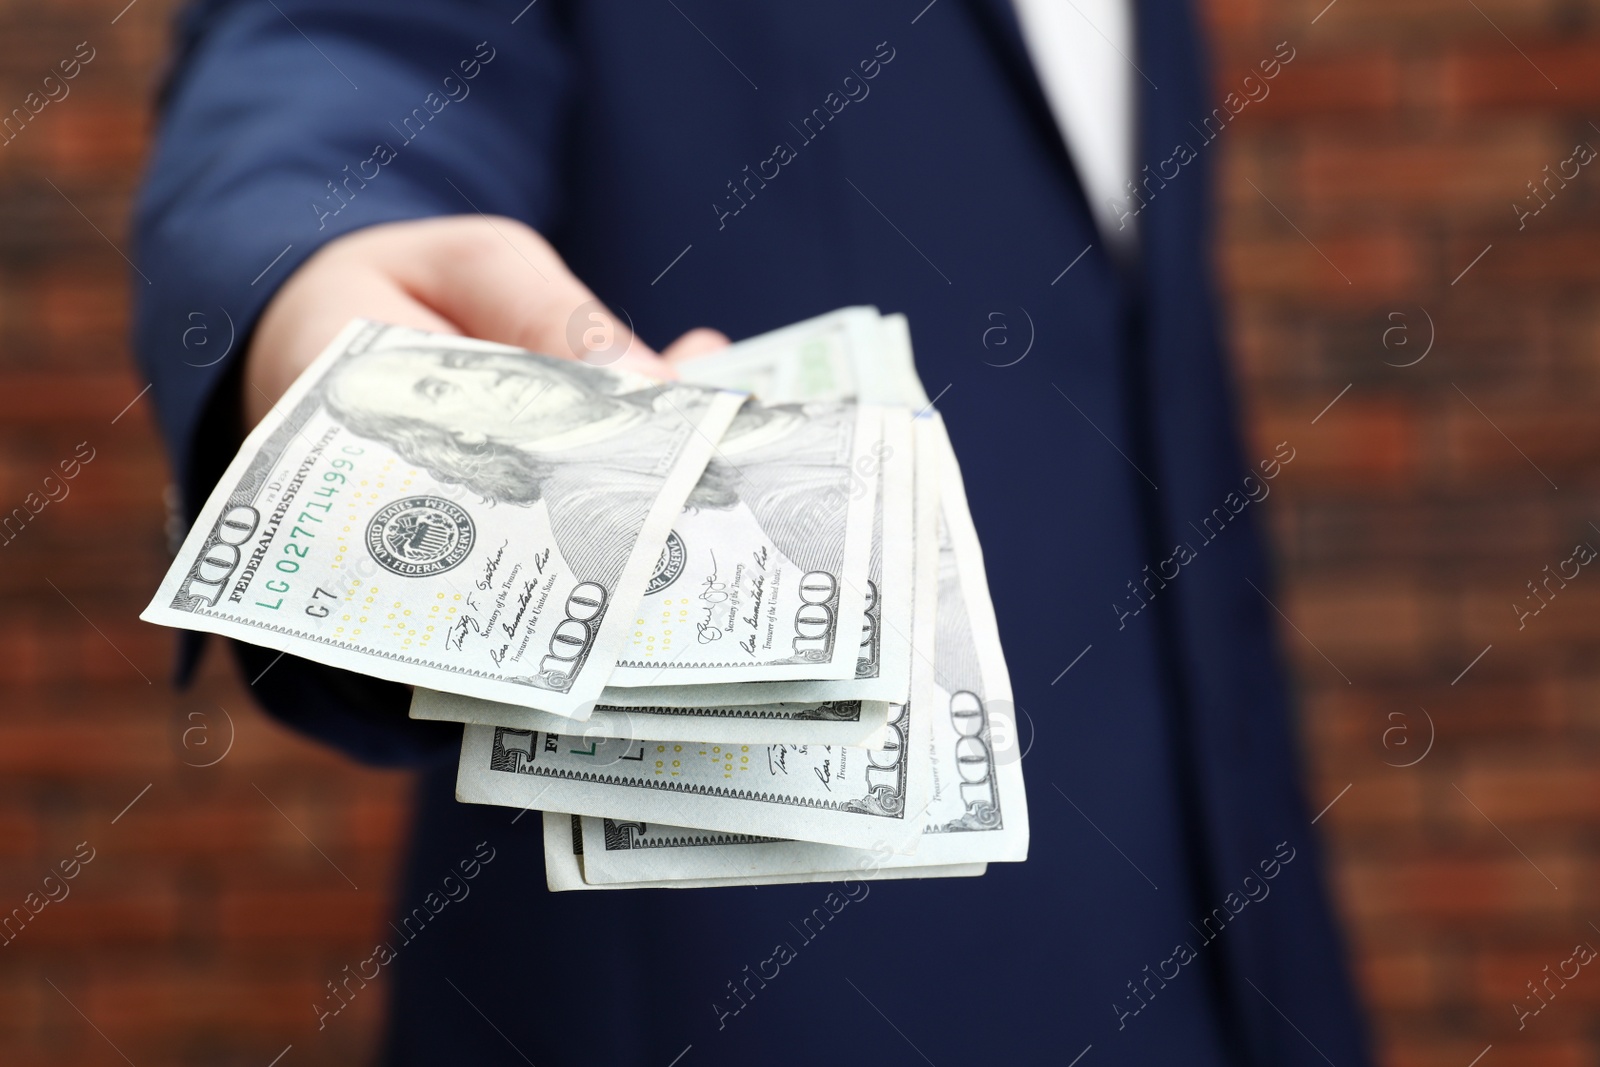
column 205, row 925
column 1425, row 498
column 1395, row 143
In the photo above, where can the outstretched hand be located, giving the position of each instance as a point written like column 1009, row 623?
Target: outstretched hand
column 488, row 277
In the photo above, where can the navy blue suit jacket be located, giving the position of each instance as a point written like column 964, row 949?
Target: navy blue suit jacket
column 744, row 166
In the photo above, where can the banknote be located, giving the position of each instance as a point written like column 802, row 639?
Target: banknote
column 892, row 377
column 449, row 513
column 819, row 358
column 852, row 352
column 855, row 723
column 848, row 353
column 883, row 654
column 639, row 852
column 978, row 809
column 570, row 865
column 763, row 576
column 864, row 798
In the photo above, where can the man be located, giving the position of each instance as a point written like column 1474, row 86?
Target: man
column 460, row 167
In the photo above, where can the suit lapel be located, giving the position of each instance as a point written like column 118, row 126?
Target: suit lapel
column 998, row 22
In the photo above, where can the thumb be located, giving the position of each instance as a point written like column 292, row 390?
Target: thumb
column 498, row 280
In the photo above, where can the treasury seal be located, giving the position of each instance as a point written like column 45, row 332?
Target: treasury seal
column 669, row 565
column 420, row 536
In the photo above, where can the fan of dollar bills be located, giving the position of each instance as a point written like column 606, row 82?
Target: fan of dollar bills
column 730, row 629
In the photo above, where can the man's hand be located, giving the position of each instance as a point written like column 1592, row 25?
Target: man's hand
column 493, row 278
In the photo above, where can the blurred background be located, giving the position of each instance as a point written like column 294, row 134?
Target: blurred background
column 1409, row 245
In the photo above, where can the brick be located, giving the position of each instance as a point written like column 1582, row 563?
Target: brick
column 1468, row 170
column 1488, row 435
column 1232, row 16
column 151, row 1005
column 1366, row 23
column 1356, row 623
column 1537, row 790
column 1447, row 1049
column 1324, row 265
column 1577, row 695
column 1558, row 260
column 1261, row 347
column 1356, row 441
column 1495, row 711
column 380, row 819
column 40, row 749
column 1566, row 621
column 1424, row 535
column 91, row 133
column 41, row 398
column 1385, row 800
column 70, row 320
column 1444, row 890
column 1365, row 84
column 1399, row 979
column 1502, row 979
column 19, row 835
column 302, row 913
column 1493, row 74
column 91, row 918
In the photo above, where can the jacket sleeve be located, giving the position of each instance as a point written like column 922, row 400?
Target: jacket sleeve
column 284, row 124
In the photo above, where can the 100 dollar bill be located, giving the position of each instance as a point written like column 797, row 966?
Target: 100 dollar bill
column 586, row 853
column 448, row 513
column 764, row 575
column 977, row 810
column 827, row 793
column 852, row 353
column 857, row 723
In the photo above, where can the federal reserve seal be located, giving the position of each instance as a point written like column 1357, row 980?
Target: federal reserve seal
column 420, row 536
column 669, row 565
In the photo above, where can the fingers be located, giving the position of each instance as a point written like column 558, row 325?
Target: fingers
column 310, row 309
column 497, row 279
column 697, row 342
column 482, row 276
